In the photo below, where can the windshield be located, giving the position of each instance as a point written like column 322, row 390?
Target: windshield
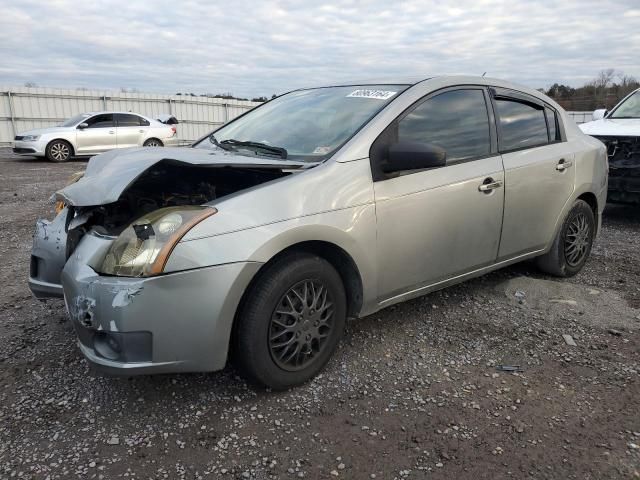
column 305, row 125
column 630, row 108
column 73, row 121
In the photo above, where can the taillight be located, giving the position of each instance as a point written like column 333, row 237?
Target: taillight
column 173, row 129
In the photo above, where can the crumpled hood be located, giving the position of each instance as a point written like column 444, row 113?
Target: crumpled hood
column 42, row 131
column 109, row 174
column 622, row 127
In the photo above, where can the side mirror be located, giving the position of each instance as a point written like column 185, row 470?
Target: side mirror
column 83, row 125
column 414, row 156
column 599, row 114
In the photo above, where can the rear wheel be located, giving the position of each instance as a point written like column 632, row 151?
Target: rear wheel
column 58, row 151
column 153, row 142
column 291, row 321
column 572, row 244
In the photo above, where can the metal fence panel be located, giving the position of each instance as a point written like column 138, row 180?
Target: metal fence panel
column 24, row 108
column 580, row 117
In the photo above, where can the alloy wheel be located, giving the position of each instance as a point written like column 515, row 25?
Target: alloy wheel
column 152, row 143
column 300, row 325
column 577, row 240
column 60, row 151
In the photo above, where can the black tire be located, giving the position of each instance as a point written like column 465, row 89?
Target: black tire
column 59, row 151
column 153, row 142
column 572, row 245
column 267, row 319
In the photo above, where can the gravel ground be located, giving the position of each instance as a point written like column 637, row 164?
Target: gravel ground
column 413, row 391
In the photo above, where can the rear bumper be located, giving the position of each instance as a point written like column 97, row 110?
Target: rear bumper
column 171, row 141
column 178, row 322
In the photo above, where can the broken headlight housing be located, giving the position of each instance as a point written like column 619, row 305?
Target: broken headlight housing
column 73, row 179
column 143, row 248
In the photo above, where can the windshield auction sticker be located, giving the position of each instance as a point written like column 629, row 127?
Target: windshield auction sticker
column 377, row 94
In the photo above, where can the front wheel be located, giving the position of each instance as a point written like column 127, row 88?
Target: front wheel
column 572, row 244
column 291, row 321
column 58, row 151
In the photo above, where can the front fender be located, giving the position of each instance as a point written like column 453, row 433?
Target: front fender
column 352, row 229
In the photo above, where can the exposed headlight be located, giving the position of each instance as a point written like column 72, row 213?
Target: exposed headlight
column 30, row 138
column 143, row 248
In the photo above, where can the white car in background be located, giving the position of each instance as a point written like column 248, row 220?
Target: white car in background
column 619, row 130
column 97, row 132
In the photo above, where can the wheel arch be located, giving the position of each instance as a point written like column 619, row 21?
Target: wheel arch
column 585, row 194
column 592, row 200
column 339, row 258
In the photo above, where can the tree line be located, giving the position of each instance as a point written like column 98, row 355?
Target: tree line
column 604, row 91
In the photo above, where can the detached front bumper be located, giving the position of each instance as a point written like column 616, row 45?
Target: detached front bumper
column 48, row 256
column 178, row 322
column 31, row 149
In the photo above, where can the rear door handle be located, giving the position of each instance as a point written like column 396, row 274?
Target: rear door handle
column 489, row 184
column 111, row 132
column 563, row 165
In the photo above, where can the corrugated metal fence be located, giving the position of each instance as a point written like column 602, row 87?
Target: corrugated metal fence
column 23, row 108
column 580, row 117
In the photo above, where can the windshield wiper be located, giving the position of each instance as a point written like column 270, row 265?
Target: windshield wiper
column 214, row 140
column 282, row 152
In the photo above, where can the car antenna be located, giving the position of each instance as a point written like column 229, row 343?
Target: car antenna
column 484, row 74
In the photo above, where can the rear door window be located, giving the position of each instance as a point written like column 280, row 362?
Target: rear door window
column 128, row 120
column 521, row 124
column 104, row 120
column 456, row 120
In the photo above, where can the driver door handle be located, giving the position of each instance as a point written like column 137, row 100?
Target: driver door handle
column 489, row 184
column 563, row 165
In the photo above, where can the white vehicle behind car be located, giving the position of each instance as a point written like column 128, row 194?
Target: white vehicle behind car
column 89, row 134
column 619, row 130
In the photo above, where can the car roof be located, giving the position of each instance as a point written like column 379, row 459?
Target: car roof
column 400, row 80
column 441, row 81
column 112, row 111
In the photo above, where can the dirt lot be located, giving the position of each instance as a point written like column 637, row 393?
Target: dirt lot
column 413, row 391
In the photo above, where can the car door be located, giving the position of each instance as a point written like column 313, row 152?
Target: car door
column 442, row 222
column 99, row 135
column 539, row 171
column 130, row 130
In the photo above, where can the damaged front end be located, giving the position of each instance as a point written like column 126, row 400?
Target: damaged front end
column 109, row 202
column 106, row 252
column 624, row 168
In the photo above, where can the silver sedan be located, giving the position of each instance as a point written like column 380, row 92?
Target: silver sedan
column 93, row 133
column 322, row 204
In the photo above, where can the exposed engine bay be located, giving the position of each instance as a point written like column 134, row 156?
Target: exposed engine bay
column 624, row 168
column 165, row 184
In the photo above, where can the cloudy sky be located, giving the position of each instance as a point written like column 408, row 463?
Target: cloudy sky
column 252, row 48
